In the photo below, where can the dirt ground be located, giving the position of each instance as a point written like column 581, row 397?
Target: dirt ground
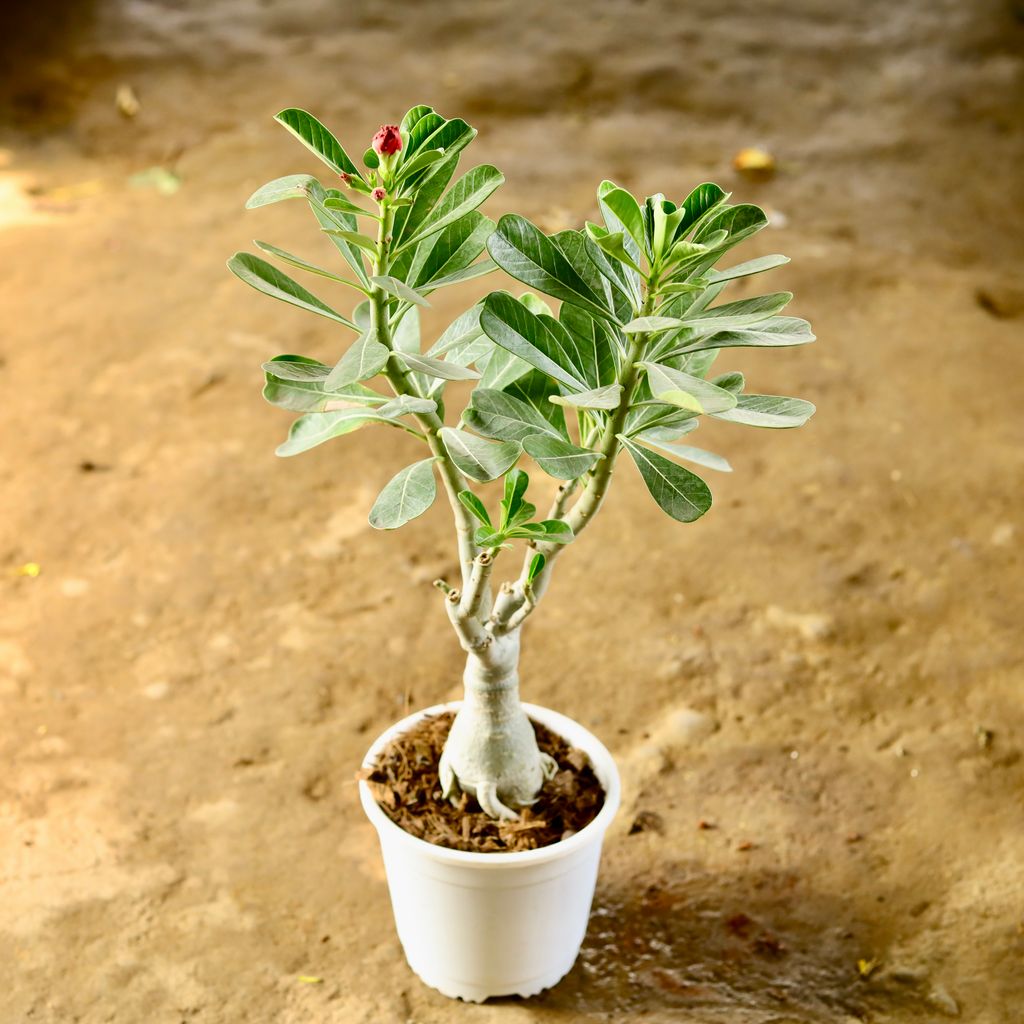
column 826, row 668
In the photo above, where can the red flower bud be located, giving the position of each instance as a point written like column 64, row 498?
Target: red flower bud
column 378, row 194
column 345, row 177
column 387, row 140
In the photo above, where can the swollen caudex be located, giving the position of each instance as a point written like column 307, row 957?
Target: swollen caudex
column 492, row 751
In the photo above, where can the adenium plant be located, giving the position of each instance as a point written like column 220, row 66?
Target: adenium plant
column 623, row 366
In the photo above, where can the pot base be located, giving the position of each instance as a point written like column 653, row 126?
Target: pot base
column 477, row 925
column 470, row 993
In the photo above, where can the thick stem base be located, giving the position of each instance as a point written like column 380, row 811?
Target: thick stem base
column 492, row 751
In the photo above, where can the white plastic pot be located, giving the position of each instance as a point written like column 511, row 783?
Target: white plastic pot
column 475, row 925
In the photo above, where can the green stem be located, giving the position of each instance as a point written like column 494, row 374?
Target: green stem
column 402, row 383
column 588, row 503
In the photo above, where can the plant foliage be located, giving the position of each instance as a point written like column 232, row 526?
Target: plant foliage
column 619, row 362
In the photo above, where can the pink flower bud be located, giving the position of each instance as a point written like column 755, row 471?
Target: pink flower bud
column 387, row 140
column 378, row 194
column 345, row 177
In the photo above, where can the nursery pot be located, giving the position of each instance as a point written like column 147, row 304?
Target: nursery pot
column 475, row 925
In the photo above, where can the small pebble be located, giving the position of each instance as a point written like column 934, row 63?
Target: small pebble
column 1002, row 535
column 943, row 1001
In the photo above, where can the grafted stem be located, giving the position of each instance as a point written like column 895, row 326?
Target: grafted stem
column 402, row 384
column 518, row 604
column 491, row 751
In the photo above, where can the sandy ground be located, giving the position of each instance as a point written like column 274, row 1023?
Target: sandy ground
column 827, row 668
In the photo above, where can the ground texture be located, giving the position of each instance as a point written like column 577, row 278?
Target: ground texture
column 825, row 671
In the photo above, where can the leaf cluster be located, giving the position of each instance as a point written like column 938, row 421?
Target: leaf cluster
column 622, row 364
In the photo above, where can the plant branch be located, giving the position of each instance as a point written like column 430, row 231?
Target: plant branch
column 402, row 383
column 470, row 632
column 514, row 606
column 476, row 592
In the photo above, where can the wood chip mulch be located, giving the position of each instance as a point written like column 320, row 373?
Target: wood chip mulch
column 405, row 783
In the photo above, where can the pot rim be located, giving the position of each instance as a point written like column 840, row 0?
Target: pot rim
column 604, row 765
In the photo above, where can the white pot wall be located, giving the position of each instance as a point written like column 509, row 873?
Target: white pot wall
column 475, row 925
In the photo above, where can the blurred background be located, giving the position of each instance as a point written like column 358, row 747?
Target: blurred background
column 814, row 692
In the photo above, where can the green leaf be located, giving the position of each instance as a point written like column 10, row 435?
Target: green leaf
column 607, row 397
column 536, row 567
column 675, row 387
column 690, row 454
column 733, row 381
column 741, row 313
column 558, row 458
column 340, row 221
column 670, row 421
column 513, row 501
column 412, row 117
column 316, row 138
column 682, row 287
column 652, row 324
column 440, row 368
column 678, row 492
column 489, row 538
column 316, row 427
column 298, row 262
column 778, row 332
column 755, row 266
column 475, row 506
column 682, row 399
column 406, row 405
column 502, row 369
column 535, row 389
column 597, row 345
column 669, row 431
column 292, row 186
column 633, row 248
column 449, row 253
column 436, row 132
column 300, row 384
column 420, row 161
column 366, row 358
column 498, row 415
column 405, row 335
column 399, row 289
column 371, row 159
column 462, row 198
column 466, row 274
column 769, row 411
column 266, row 278
column 463, row 341
column 612, row 243
column 738, row 222
column 354, row 238
column 524, row 252
column 301, row 369
column 699, row 202
column 510, row 325
column 476, row 458
column 408, row 494
column 550, row 531
column 428, row 192
column 347, row 206
column 605, row 277
column 697, row 364
column 627, row 210
column 616, row 282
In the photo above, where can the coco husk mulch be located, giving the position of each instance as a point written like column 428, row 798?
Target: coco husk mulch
column 405, row 783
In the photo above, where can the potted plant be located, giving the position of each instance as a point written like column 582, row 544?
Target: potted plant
column 622, row 368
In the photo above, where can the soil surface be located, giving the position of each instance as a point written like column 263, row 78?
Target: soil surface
column 814, row 692
column 406, row 784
